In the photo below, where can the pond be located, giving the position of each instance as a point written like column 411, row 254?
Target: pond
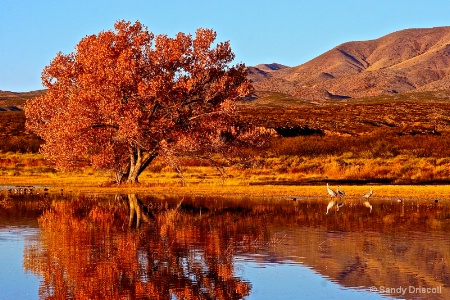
column 165, row 247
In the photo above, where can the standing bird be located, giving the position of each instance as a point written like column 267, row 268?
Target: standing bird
column 332, row 193
column 332, row 202
column 341, row 195
column 367, row 196
column 340, row 192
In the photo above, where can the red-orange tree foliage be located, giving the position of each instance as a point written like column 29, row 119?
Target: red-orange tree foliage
column 126, row 96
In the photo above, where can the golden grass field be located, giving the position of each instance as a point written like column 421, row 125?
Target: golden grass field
column 32, row 170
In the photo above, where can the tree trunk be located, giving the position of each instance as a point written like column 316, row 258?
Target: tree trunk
column 139, row 161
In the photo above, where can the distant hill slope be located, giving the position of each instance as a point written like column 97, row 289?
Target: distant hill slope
column 14, row 99
column 7, row 95
column 404, row 61
column 262, row 71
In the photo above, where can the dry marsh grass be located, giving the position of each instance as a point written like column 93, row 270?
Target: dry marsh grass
column 270, row 169
column 354, row 175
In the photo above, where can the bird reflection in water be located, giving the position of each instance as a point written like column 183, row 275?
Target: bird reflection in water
column 368, row 205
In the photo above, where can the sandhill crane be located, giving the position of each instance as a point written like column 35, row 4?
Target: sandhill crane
column 341, row 195
column 367, row 196
column 332, row 202
column 332, row 193
column 340, row 192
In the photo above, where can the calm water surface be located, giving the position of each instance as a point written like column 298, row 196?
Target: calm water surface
column 162, row 247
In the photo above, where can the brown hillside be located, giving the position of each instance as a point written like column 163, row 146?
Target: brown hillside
column 262, row 71
column 13, row 136
column 271, row 67
column 8, row 99
column 403, row 61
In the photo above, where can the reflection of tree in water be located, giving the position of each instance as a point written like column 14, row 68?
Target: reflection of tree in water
column 90, row 248
column 86, row 251
column 138, row 211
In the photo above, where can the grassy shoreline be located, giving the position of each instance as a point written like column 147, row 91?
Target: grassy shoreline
column 89, row 184
column 286, row 177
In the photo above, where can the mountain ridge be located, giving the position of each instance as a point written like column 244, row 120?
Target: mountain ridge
column 399, row 62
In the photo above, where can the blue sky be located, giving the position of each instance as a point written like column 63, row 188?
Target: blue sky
column 290, row 32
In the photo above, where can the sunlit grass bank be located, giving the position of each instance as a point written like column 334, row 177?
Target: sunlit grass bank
column 284, row 176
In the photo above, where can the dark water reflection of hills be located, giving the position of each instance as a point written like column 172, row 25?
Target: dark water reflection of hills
column 89, row 246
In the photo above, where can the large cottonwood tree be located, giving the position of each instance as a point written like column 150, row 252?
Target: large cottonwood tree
column 126, row 96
